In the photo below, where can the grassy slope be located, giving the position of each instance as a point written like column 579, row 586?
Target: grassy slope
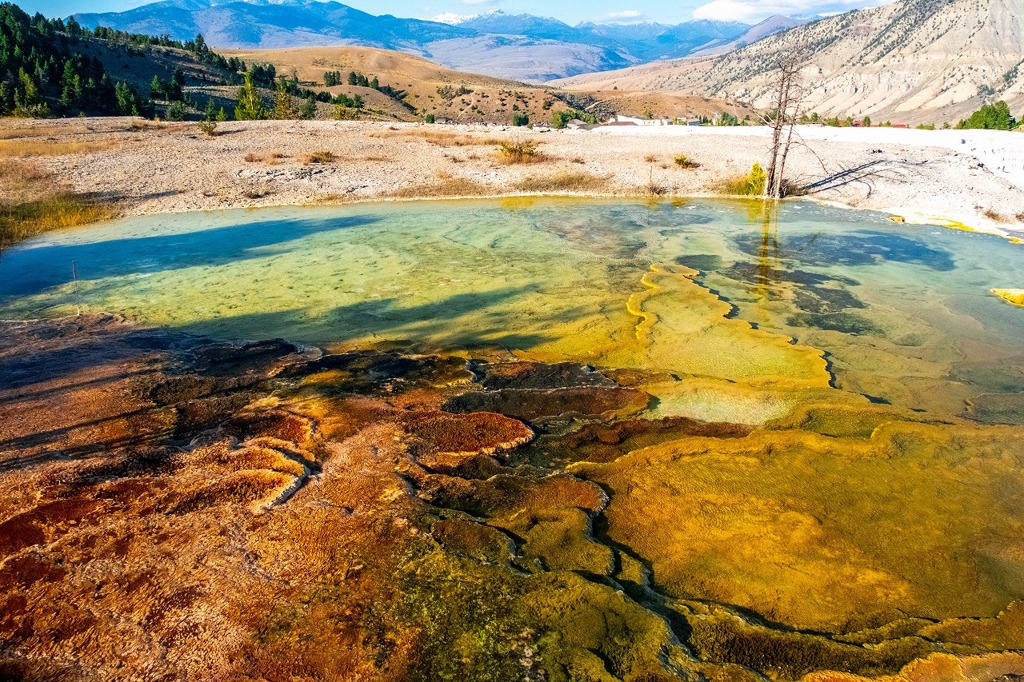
column 420, row 79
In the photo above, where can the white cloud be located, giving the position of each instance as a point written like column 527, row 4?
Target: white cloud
column 625, row 14
column 752, row 11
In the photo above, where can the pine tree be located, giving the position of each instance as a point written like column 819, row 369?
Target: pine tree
column 6, row 99
column 176, row 112
column 210, row 112
column 283, row 109
column 308, row 110
column 69, row 93
column 250, row 104
column 127, row 99
column 156, row 88
column 27, row 100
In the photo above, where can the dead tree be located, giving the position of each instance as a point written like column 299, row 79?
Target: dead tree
column 787, row 95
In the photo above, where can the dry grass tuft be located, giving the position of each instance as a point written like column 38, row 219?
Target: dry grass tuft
column 651, row 158
column 563, row 182
column 28, row 131
column 208, row 128
column 33, row 203
column 28, row 149
column 16, row 174
column 257, row 192
column 445, row 185
column 685, row 162
column 58, row 211
column 655, row 189
column 143, row 124
column 518, row 151
column 994, row 216
column 446, row 139
column 271, row 158
column 750, row 185
column 320, row 156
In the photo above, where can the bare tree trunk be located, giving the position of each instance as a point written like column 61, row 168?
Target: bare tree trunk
column 776, row 120
column 787, row 108
column 779, row 189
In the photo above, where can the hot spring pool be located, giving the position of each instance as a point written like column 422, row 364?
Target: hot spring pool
column 755, row 306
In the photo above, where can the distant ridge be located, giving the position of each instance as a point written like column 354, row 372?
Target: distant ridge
column 519, row 46
column 264, row 24
column 773, row 24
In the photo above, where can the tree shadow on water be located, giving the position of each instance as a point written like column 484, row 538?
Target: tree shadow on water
column 468, row 320
column 44, row 362
column 860, row 248
column 40, row 357
column 33, row 269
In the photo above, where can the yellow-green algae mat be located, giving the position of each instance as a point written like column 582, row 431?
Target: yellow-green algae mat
column 870, row 527
column 1012, row 296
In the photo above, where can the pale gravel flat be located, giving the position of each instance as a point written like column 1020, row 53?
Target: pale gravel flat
column 975, row 178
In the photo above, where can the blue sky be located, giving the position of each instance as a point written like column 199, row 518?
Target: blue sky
column 665, row 11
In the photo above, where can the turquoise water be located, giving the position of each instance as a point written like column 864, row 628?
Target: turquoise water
column 899, row 313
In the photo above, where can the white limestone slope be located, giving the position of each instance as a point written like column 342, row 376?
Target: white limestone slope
column 915, row 61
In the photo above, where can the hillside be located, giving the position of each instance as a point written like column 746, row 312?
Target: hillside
column 525, row 58
column 50, row 68
column 915, row 61
column 422, row 87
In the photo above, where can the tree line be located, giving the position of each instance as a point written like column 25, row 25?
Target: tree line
column 251, row 106
column 354, row 78
column 44, row 70
column 990, row 117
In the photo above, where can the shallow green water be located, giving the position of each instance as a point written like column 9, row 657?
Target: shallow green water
column 902, row 313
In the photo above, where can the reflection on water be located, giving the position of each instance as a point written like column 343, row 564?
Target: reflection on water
column 715, row 291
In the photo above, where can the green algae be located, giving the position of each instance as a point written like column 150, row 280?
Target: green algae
column 917, row 519
column 722, row 636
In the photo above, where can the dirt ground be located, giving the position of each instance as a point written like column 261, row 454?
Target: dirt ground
column 146, row 168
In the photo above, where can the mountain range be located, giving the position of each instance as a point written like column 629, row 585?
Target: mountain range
column 915, row 61
column 518, row 46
